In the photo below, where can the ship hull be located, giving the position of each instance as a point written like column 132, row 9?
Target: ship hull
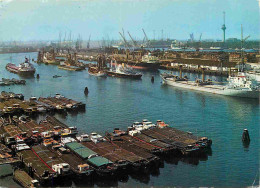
column 142, row 66
column 145, row 66
column 120, row 75
column 15, row 69
column 215, row 89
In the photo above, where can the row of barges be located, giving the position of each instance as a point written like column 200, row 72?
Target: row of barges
column 13, row 104
column 51, row 151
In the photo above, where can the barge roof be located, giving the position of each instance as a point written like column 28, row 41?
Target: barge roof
column 112, row 151
column 80, row 149
column 99, row 161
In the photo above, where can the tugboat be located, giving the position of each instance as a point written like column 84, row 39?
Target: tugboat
column 25, row 68
column 123, row 72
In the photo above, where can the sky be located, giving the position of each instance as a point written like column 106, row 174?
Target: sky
column 24, row 20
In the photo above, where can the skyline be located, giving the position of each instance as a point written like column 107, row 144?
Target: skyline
column 28, row 20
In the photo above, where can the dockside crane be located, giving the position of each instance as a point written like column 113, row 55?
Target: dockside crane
column 134, row 42
column 146, row 38
column 242, row 48
column 125, row 41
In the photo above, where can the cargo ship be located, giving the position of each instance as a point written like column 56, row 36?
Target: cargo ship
column 148, row 62
column 123, row 72
column 25, row 68
column 238, row 86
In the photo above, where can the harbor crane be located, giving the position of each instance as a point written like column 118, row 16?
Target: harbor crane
column 125, row 41
column 134, row 42
column 242, row 47
column 146, row 38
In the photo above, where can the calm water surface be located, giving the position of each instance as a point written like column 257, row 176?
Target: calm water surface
column 115, row 102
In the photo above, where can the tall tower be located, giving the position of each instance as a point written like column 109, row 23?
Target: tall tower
column 224, row 28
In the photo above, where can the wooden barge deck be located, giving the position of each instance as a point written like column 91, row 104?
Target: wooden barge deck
column 52, row 160
column 183, row 141
column 151, row 160
column 23, row 179
column 78, row 166
column 146, row 146
column 36, row 167
column 114, row 153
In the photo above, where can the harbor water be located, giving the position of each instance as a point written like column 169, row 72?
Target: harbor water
column 117, row 103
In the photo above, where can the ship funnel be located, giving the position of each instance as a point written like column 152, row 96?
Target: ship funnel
column 180, row 71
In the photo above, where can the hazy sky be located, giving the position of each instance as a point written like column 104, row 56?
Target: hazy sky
column 44, row 19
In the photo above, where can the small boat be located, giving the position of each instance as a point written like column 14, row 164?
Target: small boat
column 25, row 68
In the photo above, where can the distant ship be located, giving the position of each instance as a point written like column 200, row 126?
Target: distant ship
column 94, row 71
column 98, row 69
column 148, row 62
column 239, row 86
column 123, row 72
column 25, row 68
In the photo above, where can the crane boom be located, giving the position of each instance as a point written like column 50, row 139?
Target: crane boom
column 134, row 42
column 146, row 38
column 145, row 35
column 125, row 41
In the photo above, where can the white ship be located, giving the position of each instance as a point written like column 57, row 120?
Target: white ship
column 254, row 75
column 238, row 86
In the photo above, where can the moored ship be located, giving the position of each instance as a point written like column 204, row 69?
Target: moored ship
column 148, row 62
column 238, row 86
column 98, row 70
column 123, row 72
column 25, row 68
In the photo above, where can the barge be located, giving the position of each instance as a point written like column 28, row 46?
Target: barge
column 36, row 167
column 23, row 179
column 78, row 166
column 103, row 167
column 121, row 157
column 51, row 160
column 152, row 161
